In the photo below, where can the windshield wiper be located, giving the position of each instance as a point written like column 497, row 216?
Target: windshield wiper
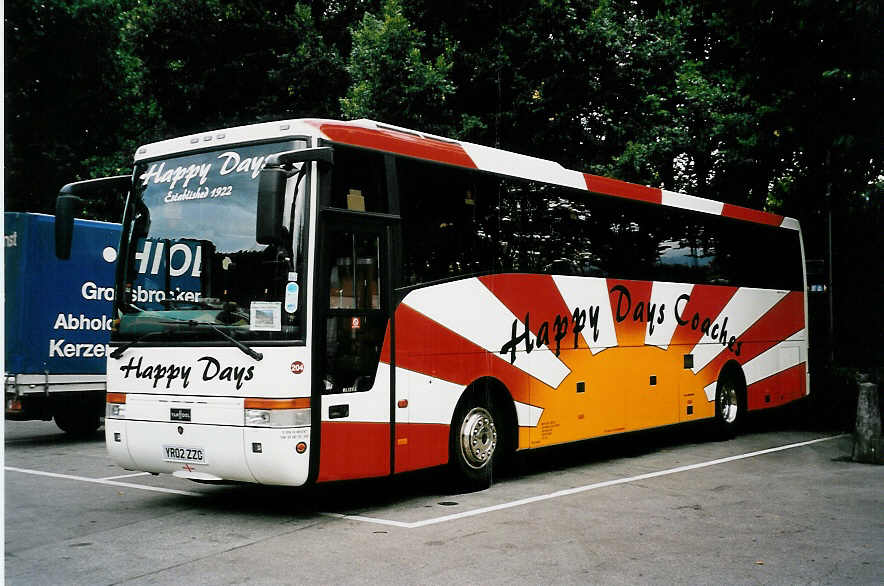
column 193, row 323
column 118, row 353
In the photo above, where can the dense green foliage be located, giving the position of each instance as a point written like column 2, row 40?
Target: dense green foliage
column 773, row 105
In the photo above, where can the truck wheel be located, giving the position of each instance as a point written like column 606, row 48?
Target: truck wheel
column 474, row 444
column 729, row 405
column 76, row 423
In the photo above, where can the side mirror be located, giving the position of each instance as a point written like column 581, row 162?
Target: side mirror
column 68, row 203
column 66, row 207
column 271, row 195
column 271, row 190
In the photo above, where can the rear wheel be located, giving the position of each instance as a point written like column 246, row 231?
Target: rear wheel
column 77, row 423
column 475, row 443
column 729, row 405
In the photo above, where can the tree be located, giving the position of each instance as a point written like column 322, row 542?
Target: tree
column 575, row 81
column 233, row 63
column 391, row 80
column 66, row 98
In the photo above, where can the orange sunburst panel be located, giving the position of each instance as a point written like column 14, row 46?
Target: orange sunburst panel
column 633, row 377
column 608, row 393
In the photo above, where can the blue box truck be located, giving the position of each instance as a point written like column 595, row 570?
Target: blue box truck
column 58, row 320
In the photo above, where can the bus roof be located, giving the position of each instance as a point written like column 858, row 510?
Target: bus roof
column 412, row 143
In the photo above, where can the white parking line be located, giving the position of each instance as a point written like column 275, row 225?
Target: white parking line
column 575, row 490
column 126, row 476
column 388, row 522
column 445, row 518
column 102, row 481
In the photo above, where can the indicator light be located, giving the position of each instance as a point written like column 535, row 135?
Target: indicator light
column 116, row 405
column 258, row 412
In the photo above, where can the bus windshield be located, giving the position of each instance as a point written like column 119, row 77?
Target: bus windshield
column 191, row 257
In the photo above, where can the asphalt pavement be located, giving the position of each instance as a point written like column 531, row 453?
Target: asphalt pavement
column 780, row 504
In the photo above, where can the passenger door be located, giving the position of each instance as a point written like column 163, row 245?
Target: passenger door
column 352, row 317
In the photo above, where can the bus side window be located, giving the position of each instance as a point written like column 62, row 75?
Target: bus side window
column 359, row 181
column 686, row 251
column 448, row 222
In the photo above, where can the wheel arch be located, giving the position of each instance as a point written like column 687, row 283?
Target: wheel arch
column 734, row 369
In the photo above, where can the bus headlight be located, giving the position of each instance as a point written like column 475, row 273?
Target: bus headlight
column 277, row 412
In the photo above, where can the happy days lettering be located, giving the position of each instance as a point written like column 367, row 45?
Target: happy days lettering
column 231, row 162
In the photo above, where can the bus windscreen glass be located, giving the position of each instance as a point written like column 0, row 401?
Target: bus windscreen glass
column 192, row 263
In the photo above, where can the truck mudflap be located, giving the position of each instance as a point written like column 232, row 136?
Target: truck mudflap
column 203, row 452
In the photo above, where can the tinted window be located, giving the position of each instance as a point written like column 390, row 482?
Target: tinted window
column 359, row 181
column 510, row 225
column 449, row 222
column 756, row 255
column 566, row 232
column 556, row 230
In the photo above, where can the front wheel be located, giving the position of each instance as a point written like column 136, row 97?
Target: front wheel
column 475, row 440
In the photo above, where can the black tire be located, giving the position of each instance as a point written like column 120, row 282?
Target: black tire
column 730, row 405
column 77, row 423
column 476, row 443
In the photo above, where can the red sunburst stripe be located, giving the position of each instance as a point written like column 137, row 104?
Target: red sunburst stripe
column 734, row 211
column 707, row 301
column 781, row 321
column 630, row 331
column 394, row 141
column 424, row 346
column 609, row 186
column 778, row 389
column 536, row 294
column 385, row 348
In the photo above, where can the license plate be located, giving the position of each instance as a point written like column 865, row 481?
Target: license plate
column 184, row 454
